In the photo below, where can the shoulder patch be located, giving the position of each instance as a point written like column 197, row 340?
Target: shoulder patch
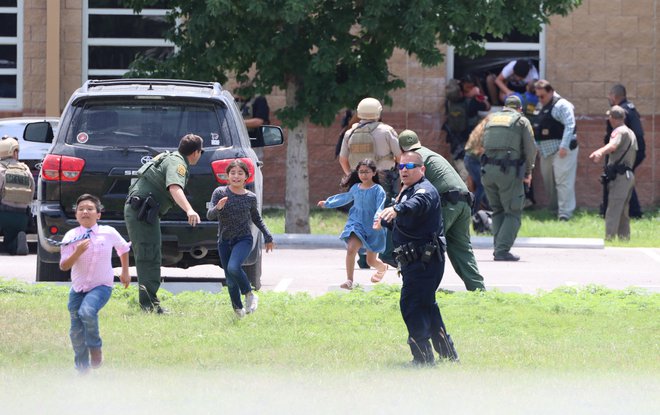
column 420, row 191
column 181, row 170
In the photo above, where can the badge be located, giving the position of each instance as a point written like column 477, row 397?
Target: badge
column 181, row 170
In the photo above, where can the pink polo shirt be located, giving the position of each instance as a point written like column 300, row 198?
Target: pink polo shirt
column 94, row 267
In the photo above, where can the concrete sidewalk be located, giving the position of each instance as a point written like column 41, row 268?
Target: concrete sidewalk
column 308, row 241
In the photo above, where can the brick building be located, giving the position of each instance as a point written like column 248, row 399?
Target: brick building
column 51, row 47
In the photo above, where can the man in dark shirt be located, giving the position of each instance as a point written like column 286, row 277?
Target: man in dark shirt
column 255, row 113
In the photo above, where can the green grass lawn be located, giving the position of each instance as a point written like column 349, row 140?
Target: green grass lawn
column 566, row 330
column 535, row 223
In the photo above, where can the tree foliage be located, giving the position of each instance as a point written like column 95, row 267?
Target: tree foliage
column 326, row 54
column 334, row 51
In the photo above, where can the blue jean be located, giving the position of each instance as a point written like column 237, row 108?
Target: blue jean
column 232, row 255
column 84, row 308
column 473, row 166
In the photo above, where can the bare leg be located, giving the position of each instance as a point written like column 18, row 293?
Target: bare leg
column 354, row 245
column 381, row 267
column 375, row 262
column 492, row 89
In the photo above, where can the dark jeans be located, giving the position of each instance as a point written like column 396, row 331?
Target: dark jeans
column 473, row 166
column 232, row 255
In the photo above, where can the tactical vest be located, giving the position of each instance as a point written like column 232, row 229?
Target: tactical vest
column 545, row 126
column 499, row 139
column 362, row 144
column 457, row 117
column 16, row 188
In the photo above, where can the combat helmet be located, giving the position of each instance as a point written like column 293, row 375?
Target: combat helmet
column 369, row 109
column 7, row 147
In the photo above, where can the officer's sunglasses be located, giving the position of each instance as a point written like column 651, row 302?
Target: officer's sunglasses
column 409, row 165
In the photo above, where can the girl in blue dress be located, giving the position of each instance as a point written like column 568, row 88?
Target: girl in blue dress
column 368, row 198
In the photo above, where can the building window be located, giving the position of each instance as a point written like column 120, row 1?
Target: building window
column 499, row 52
column 11, row 54
column 114, row 36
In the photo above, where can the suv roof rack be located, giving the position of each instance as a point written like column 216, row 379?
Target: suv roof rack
column 147, row 81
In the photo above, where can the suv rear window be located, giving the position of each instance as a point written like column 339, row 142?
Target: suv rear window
column 149, row 123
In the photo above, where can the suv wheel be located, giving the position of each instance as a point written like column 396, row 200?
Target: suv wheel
column 49, row 271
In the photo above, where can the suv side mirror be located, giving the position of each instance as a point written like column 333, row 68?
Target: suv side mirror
column 38, row 132
column 273, row 136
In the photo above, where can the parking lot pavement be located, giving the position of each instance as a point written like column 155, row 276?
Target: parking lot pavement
column 317, row 271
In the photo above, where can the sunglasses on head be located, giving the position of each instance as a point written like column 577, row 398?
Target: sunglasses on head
column 409, row 165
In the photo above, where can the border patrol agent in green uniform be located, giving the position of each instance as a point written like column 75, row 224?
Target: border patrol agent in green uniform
column 507, row 163
column 456, row 209
column 159, row 185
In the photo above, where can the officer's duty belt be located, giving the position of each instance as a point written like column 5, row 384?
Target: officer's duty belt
column 501, row 162
column 5, row 208
column 455, row 196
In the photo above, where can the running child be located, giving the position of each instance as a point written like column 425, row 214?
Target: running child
column 368, row 198
column 234, row 207
column 87, row 252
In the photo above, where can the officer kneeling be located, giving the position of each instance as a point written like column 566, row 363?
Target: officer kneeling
column 16, row 193
column 417, row 232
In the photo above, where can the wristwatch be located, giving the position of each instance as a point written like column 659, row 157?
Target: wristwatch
column 397, row 208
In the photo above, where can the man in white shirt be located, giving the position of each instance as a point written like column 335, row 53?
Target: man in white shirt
column 516, row 76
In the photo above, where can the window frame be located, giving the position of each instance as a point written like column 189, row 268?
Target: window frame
column 17, row 102
column 539, row 46
column 117, row 42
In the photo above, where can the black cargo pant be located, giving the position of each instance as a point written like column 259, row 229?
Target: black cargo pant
column 419, row 307
column 11, row 224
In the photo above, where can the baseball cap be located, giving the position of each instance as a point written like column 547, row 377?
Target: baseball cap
column 512, row 101
column 617, row 112
column 408, row 140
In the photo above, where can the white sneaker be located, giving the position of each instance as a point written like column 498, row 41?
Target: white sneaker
column 240, row 312
column 21, row 244
column 251, row 302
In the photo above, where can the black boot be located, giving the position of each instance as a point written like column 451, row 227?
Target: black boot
column 362, row 261
column 443, row 344
column 422, row 352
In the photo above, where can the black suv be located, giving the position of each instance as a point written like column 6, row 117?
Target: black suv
column 109, row 129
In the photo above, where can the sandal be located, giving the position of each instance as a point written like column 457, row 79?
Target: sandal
column 378, row 276
column 347, row 285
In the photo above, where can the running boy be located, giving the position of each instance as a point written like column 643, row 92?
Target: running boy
column 87, row 252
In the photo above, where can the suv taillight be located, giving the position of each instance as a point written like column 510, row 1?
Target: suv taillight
column 220, row 166
column 61, row 168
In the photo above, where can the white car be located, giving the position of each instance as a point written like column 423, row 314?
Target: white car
column 30, row 153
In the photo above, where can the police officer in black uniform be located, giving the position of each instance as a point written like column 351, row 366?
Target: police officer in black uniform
column 417, row 232
column 617, row 96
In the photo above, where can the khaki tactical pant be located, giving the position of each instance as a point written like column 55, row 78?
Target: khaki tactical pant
column 617, row 220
